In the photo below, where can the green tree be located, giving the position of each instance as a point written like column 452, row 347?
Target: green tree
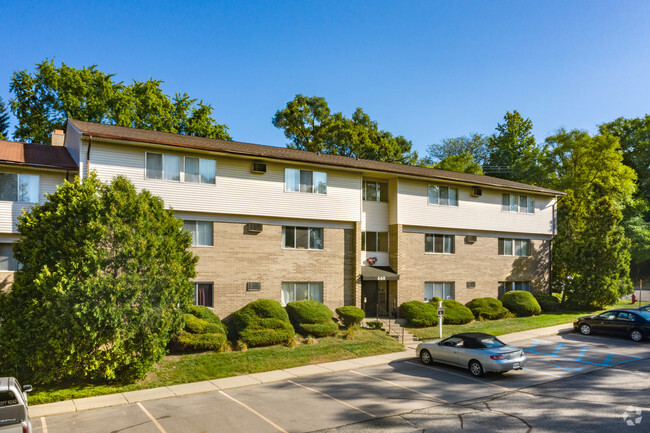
column 310, row 125
column 463, row 163
column 104, row 279
column 474, row 144
column 45, row 99
column 513, row 152
column 4, row 121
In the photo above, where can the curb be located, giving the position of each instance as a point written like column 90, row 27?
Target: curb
column 111, row 400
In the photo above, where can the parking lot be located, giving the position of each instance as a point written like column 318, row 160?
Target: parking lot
column 569, row 380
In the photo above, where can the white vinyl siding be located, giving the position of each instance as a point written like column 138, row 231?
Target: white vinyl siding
column 312, row 291
column 442, row 290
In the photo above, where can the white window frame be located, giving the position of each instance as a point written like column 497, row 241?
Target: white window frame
column 379, row 197
column 514, row 247
column 513, row 203
column 33, row 190
column 512, row 286
column 318, row 178
column 446, row 239
column 447, row 290
column 288, row 291
column 202, row 163
column 195, row 231
column 196, row 293
column 162, row 169
column 452, row 196
column 310, row 230
column 8, row 261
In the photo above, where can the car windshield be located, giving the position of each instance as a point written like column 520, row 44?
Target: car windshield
column 492, row 342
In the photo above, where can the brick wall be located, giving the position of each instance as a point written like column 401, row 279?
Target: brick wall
column 478, row 262
column 238, row 257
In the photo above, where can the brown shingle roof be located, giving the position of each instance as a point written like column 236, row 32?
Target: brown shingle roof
column 260, row 151
column 36, row 155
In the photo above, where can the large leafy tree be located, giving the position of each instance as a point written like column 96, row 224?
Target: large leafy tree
column 310, row 125
column 105, row 275
column 474, row 144
column 513, row 153
column 591, row 258
column 43, row 100
column 463, row 163
column 4, row 121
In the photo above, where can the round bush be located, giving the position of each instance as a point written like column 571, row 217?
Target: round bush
column 188, row 342
column 548, row 303
column 262, row 323
column 311, row 318
column 521, row 303
column 419, row 314
column 455, row 312
column 350, row 315
column 487, row 309
column 203, row 331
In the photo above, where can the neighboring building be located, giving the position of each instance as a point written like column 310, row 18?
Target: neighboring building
column 285, row 224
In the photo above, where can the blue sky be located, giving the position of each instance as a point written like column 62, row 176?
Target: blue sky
column 424, row 70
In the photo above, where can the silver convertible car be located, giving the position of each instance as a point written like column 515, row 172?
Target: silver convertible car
column 478, row 352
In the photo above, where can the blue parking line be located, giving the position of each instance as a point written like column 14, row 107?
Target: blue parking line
column 583, row 350
column 582, row 353
column 609, row 358
column 559, row 346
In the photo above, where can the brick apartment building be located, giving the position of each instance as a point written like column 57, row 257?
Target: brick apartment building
column 285, row 224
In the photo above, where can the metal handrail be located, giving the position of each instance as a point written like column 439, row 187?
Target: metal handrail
column 387, row 315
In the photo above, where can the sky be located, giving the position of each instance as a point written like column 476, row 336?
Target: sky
column 426, row 70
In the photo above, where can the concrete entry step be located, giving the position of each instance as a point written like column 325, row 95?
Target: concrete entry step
column 396, row 329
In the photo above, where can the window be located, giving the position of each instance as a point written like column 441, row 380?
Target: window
column 509, row 286
column 374, row 241
column 7, row 261
column 375, row 191
column 440, row 290
column 305, row 181
column 19, row 187
column 514, row 247
column 443, row 195
column 307, row 238
column 203, row 294
column 443, row 244
column 199, row 170
column 518, row 203
column 166, row 167
column 201, row 232
column 301, row 291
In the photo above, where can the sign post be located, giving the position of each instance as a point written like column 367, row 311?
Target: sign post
column 441, row 315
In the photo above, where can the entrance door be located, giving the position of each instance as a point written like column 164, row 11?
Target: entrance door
column 369, row 297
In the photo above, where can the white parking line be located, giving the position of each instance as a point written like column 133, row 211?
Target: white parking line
column 255, row 412
column 333, row 398
column 540, row 372
column 153, row 420
column 43, row 425
column 400, row 386
column 459, row 375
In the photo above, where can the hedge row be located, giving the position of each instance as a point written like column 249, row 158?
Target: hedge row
column 203, row 331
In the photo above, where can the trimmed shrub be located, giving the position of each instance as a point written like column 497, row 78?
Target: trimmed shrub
column 203, row 331
column 375, row 324
column 521, row 303
column 350, row 315
column 455, row 312
column 487, row 309
column 311, row 318
column 262, row 323
column 435, row 299
column 419, row 314
column 548, row 303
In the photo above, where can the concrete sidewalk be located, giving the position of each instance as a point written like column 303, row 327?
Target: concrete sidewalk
column 81, row 404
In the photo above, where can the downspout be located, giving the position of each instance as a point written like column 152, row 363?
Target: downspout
column 90, row 143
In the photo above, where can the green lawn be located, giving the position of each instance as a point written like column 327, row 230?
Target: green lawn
column 506, row 326
column 178, row 369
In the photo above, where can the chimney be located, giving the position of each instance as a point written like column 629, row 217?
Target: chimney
column 58, row 137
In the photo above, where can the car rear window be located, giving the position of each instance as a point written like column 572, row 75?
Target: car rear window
column 644, row 314
column 492, row 342
column 7, row 398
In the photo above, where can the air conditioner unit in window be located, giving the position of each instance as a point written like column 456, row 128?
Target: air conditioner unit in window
column 470, row 239
column 470, row 284
column 254, row 228
column 477, row 192
column 258, row 167
column 253, row 286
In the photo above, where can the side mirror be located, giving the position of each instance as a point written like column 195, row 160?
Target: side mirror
column 27, row 388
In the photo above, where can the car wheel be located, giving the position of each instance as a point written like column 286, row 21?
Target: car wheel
column 636, row 335
column 425, row 357
column 585, row 329
column 476, row 368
